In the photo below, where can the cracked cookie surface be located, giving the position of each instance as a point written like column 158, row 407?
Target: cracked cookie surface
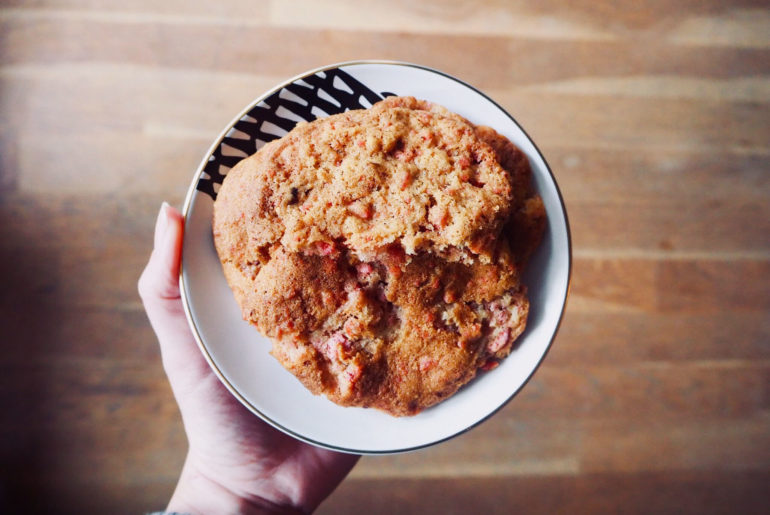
column 380, row 251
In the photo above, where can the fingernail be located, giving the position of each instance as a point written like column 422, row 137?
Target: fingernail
column 161, row 224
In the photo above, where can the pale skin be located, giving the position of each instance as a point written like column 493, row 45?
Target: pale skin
column 236, row 463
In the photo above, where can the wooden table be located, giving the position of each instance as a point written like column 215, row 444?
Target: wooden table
column 655, row 120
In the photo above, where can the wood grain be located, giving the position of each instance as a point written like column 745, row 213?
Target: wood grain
column 677, row 492
column 655, row 396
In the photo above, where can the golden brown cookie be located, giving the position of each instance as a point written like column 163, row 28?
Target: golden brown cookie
column 380, row 251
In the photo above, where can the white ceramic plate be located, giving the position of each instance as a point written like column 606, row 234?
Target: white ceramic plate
column 239, row 354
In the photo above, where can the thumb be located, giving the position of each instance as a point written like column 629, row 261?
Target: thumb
column 160, row 279
column 159, row 290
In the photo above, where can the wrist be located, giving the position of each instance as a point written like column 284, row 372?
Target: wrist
column 198, row 494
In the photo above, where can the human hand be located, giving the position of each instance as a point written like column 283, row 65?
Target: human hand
column 236, row 463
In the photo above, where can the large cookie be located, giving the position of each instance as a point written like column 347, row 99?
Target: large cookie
column 380, row 250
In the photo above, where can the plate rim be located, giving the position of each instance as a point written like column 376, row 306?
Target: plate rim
column 191, row 193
